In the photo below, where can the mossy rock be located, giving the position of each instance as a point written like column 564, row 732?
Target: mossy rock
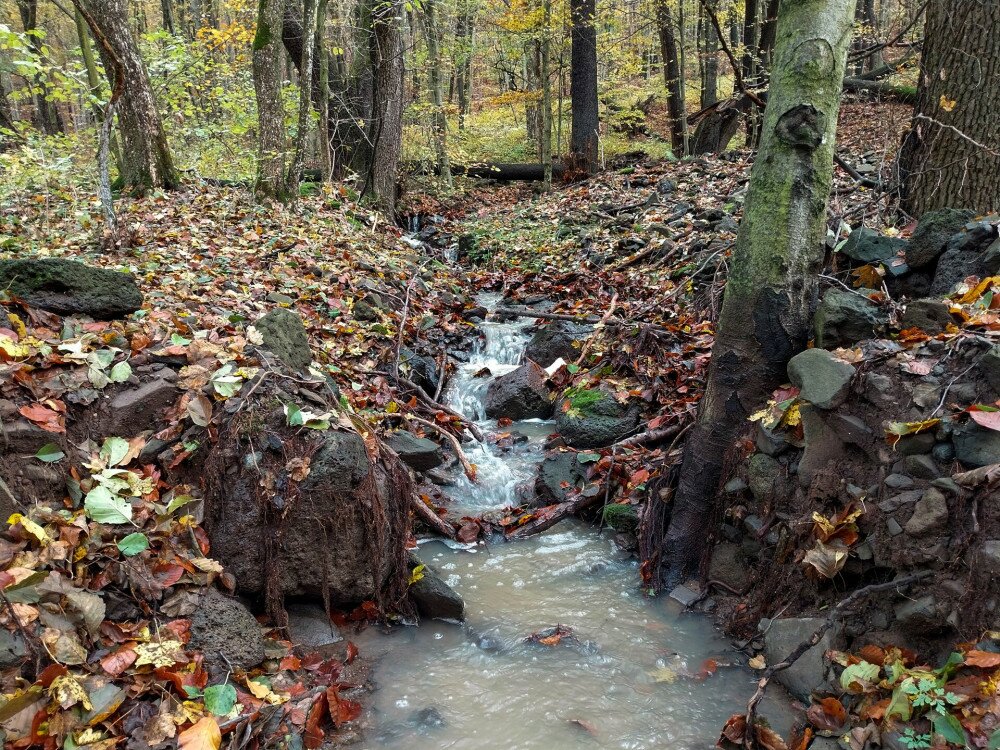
column 594, row 419
column 68, row 287
column 285, row 337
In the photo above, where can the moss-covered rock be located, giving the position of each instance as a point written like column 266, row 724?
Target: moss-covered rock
column 595, row 419
column 69, row 287
column 285, row 337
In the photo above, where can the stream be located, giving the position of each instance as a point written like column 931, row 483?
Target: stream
column 629, row 678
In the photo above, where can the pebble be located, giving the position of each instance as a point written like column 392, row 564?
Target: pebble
column 898, row 481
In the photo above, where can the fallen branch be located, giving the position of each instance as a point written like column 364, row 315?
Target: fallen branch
column 600, row 324
column 650, row 436
column 470, row 470
column 524, row 312
column 749, row 740
column 558, row 513
column 853, row 173
column 426, row 398
column 426, row 514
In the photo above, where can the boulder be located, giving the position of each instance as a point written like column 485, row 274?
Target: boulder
column 989, row 366
column 929, row 315
column 133, row 410
column 421, row 370
column 558, row 473
column 223, row 627
column 420, row 454
column 310, row 626
column 844, row 319
column 976, row 446
column 822, row 444
column 596, row 423
column 327, row 543
column 823, row 379
column 931, row 236
column 285, row 337
column 69, row 287
column 781, row 637
column 555, row 340
column 991, row 258
column 868, row 246
column 521, row 394
column 435, row 599
column 930, row 514
column 965, row 256
column 729, row 566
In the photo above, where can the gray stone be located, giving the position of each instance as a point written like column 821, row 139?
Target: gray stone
column 770, row 442
column 910, row 445
column 988, row 557
column 868, row 246
column 285, row 337
column 781, row 637
column 686, row 596
column 69, row 287
column 558, row 474
column 822, row 444
column 310, row 626
column 844, row 319
column 729, row 566
column 521, row 394
column 929, row 315
column 823, row 380
column 420, row 454
column 989, row 367
column 365, row 312
column 135, row 409
column 947, row 484
column 12, row 649
column 735, row 485
column 892, row 525
column 435, row 599
column 964, row 257
column 932, row 233
column 921, row 467
column 917, row 614
column 279, row 299
column 762, row 472
column 991, row 258
column 976, row 446
column 420, row 369
column 898, row 481
column 555, row 340
column 929, row 514
column 598, row 424
column 223, row 627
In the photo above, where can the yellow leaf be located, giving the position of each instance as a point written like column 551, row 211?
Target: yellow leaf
column 868, row 276
column 947, row 104
column 758, row 662
column 159, row 654
column 207, row 564
column 416, row 574
column 13, row 349
column 18, row 325
column 31, row 527
column 67, row 692
column 664, row 674
column 204, row 735
column 979, row 290
column 264, row 693
column 826, row 559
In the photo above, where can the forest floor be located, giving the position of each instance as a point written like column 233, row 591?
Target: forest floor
column 640, row 252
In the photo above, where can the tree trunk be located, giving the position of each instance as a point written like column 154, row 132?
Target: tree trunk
column 771, row 290
column 767, row 32
column 146, row 159
column 671, row 75
column 385, row 129
column 94, row 82
column 47, row 117
column 464, row 35
column 710, row 63
column 546, row 124
column 324, row 61
column 271, row 183
column 167, row 16
column 951, row 155
column 440, row 119
column 306, row 70
column 584, row 136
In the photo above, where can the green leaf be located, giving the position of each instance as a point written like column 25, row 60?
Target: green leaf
column 994, row 743
column 104, row 507
column 862, row 673
column 588, row 458
column 178, row 502
column 120, row 372
column 899, row 705
column 950, row 728
column 294, row 415
column 177, row 340
column 50, row 453
column 220, row 699
column 133, row 544
column 114, row 450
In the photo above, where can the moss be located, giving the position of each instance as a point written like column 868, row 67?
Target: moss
column 621, row 517
column 262, row 38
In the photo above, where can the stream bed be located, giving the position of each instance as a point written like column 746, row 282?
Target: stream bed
column 634, row 674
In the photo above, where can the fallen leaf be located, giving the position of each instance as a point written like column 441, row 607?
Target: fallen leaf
column 204, row 735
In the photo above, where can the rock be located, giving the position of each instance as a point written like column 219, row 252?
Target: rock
column 991, row 258
column 932, row 233
column 468, row 247
column 965, row 256
column 921, row 467
column 12, row 649
column 365, row 312
column 729, row 566
column 285, row 337
column 762, row 473
column 521, row 394
column 685, row 595
column 943, row 452
column 898, row 481
column 435, row 599
column 929, row 514
column 917, row 615
column 135, row 409
column 976, row 446
column 781, row 637
column 426, row 718
column 822, row 444
column 597, row 424
column 558, row 473
column 868, row 246
column 988, row 557
column 421, row 370
column 823, row 380
column 280, row 299
column 910, row 445
column 989, row 366
column 69, row 287
column 844, row 318
column 892, row 525
column 221, row 626
column 770, row 442
column 310, row 626
column 327, row 544
column 929, row 315
column 420, row 454
column 555, row 340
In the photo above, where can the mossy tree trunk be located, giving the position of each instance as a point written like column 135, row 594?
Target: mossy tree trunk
column 308, row 73
column 772, row 285
column 951, row 155
column 439, row 120
column 671, row 74
column 272, row 182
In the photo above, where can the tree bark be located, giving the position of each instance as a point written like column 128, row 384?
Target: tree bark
column 306, row 81
column 546, row 59
column 440, row 119
column 771, row 290
column 271, row 182
column 584, row 135
column 951, row 155
column 47, row 117
column 671, row 75
column 464, row 37
column 146, row 159
column 710, row 63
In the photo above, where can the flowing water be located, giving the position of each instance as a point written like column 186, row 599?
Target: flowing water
column 631, row 676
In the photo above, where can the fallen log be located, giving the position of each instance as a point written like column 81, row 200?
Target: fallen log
column 432, row 519
column 524, row 312
column 901, row 94
column 555, row 514
column 492, row 171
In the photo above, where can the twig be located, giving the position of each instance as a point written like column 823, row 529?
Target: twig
column 9, row 494
column 957, row 132
column 650, row 436
column 737, row 70
column 425, row 397
column 749, row 739
column 470, row 470
column 443, row 377
column 603, row 321
column 406, row 312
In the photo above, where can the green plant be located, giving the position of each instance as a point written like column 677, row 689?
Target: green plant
column 621, row 517
column 913, row 741
column 581, row 399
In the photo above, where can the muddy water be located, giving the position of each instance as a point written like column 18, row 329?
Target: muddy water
column 627, row 678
